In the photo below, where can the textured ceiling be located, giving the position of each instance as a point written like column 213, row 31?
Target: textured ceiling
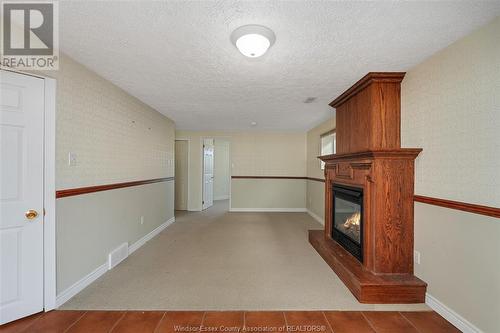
column 177, row 56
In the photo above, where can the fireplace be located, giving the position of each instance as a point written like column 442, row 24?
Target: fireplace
column 369, row 185
column 348, row 218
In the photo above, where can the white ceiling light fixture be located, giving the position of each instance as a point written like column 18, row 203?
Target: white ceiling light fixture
column 253, row 40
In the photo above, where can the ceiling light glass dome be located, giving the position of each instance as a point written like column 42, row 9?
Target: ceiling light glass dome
column 253, row 40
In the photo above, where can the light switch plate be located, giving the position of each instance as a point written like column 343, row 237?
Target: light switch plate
column 72, row 159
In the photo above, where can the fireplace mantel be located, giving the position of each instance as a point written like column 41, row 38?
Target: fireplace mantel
column 394, row 153
column 369, row 157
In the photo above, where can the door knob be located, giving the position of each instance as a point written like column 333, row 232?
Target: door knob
column 31, row 214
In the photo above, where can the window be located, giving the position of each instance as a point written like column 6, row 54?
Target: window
column 327, row 145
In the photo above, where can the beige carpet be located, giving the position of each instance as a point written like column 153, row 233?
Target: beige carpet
column 216, row 260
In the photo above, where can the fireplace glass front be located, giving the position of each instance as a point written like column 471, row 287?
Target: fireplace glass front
column 348, row 219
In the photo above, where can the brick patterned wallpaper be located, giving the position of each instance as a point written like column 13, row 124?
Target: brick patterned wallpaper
column 115, row 137
column 268, row 154
column 451, row 109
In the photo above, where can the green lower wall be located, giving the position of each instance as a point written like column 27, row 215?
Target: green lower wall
column 316, row 198
column 268, row 193
column 89, row 226
column 460, row 261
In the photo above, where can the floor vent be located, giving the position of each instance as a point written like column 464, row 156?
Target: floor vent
column 117, row 255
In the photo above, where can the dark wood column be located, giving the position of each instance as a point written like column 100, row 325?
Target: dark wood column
column 369, row 157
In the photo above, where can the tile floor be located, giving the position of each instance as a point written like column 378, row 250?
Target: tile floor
column 231, row 322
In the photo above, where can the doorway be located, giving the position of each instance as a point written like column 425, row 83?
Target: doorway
column 27, row 200
column 216, row 175
column 208, row 173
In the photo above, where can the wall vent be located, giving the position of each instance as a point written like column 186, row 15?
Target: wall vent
column 117, row 255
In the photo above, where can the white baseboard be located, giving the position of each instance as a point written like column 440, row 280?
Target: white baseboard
column 134, row 247
column 81, row 284
column 222, row 197
column 316, row 217
column 458, row 321
column 276, row 210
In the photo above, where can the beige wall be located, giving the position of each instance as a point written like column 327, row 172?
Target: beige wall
column 116, row 138
column 315, row 189
column 272, row 194
column 266, row 154
column 252, row 154
column 222, row 170
column 451, row 109
column 181, row 174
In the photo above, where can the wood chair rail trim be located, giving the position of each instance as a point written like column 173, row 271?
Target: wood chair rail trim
column 278, row 177
column 99, row 188
column 451, row 204
column 463, row 206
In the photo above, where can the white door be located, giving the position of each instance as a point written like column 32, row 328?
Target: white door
column 208, row 173
column 21, row 195
column 181, row 174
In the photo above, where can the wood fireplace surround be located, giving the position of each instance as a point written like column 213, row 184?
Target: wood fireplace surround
column 369, row 156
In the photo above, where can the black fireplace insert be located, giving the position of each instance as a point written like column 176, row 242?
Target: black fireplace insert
column 348, row 219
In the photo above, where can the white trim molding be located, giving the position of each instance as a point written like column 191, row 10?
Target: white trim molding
column 49, row 199
column 49, row 189
column 222, row 197
column 316, row 217
column 83, row 283
column 270, row 210
column 454, row 318
column 134, row 247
